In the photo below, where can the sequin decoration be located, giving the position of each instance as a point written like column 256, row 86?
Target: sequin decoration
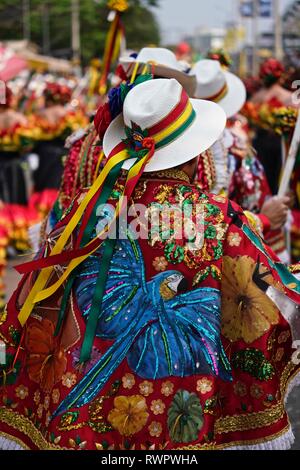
column 194, row 238
column 254, row 363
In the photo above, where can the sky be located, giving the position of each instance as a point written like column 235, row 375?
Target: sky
column 177, row 17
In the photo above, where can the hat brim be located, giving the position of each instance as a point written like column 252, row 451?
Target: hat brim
column 188, row 82
column 235, row 99
column 205, row 130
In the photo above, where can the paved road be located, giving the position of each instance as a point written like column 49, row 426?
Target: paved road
column 293, row 405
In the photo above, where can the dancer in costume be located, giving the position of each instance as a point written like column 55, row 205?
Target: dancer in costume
column 85, row 158
column 178, row 340
column 263, row 104
column 15, row 138
column 231, row 166
column 52, row 125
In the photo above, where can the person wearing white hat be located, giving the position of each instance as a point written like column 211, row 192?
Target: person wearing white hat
column 160, row 62
column 253, row 194
column 157, row 61
column 151, row 342
column 220, row 86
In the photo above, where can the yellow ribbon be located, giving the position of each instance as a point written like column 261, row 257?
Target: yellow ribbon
column 45, row 274
column 74, row 263
column 38, row 291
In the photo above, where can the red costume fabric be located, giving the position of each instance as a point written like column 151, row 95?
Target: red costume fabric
column 173, row 411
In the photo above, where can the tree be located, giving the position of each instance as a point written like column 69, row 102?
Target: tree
column 139, row 21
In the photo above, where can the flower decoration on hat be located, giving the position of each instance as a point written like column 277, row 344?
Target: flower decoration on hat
column 114, row 106
column 138, row 141
column 222, row 56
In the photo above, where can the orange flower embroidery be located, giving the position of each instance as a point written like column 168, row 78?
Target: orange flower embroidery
column 157, row 407
column 167, row 388
column 128, row 381
column 160, row 263
column 204, row 386
column 46, row 360
column 69, row 379
column 55, row 396
column 155, row 429
column 22, row 392
column 146, row 388
column 129, row 415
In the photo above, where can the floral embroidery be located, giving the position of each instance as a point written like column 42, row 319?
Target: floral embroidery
column 160, row 263
column 157, row 407
column 256, row 391
column 40, row 410
column 204, row 386
column 128, row 381
column 234, row 239
column 21, row 392
column 167, row 388
column 155, row 429
column 247, row 313
column 129, row 415
column 279, row 354
column 37, row 397
column 283, row 337
column 46, row 360
column 48, row 418
column 146, row 388
column 47, row 402
column 240, row 389
column 192, row 246
column 69, row 379
column 55, row 395
column 185, row 417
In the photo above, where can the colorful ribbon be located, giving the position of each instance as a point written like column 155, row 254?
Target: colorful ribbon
column 218, row 96
column 161, row 134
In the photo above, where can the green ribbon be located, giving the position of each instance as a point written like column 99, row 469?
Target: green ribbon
column 103, row 198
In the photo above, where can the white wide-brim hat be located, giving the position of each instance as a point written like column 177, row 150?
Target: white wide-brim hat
column 162, row 63
column 215, row 84
column 149, row 104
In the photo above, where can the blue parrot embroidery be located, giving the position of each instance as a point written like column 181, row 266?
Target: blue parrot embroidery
column 160, row 328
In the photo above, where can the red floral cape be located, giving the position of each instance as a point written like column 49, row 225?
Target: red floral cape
column 192, row 412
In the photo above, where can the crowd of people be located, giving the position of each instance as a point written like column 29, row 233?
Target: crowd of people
column 180, row 328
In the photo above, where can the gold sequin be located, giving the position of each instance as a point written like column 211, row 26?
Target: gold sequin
column 214, row 446
column 250, row 421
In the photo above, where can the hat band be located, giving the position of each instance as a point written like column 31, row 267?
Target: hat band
column 163, row 133
column 218, row 96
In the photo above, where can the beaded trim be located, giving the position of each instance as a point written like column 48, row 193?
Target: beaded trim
column 231, row 445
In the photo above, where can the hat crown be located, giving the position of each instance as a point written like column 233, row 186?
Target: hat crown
column 159, row 55
column 210, row 78
column 147, row 104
